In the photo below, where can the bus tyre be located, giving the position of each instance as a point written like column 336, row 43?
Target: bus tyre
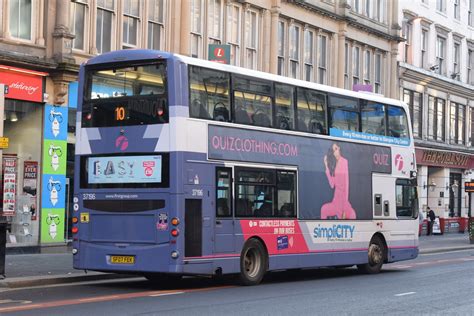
column 253, row 262
column 376, row 256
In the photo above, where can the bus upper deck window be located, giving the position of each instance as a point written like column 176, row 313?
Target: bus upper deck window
column 397, row 122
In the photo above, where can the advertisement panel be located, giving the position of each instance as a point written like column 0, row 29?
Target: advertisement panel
column 334, row 177
column 9, row 185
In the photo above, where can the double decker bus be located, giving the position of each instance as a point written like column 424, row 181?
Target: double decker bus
column 189, row 167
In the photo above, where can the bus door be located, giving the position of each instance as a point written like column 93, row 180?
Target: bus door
column 224, row 225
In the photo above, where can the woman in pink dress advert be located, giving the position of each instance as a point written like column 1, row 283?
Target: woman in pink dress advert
column 337, row 172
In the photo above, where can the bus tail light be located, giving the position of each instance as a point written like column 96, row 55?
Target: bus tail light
column 74, row 220
column 75, row 230
column 175, row 232
column 175, row 221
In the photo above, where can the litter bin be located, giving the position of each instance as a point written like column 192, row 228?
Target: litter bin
column 3, row 245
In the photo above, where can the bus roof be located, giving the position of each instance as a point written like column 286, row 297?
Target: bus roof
column 147, row 54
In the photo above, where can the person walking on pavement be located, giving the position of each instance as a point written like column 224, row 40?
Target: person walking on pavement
column 431, row 219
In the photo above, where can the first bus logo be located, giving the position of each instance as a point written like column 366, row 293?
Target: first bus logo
column 121, row 142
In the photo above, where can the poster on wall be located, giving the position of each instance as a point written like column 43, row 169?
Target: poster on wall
column 53, row 193
column 9, row 185
column 30, row 185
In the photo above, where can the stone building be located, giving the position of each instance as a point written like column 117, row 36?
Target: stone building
column 343, row 43
column 437, row 81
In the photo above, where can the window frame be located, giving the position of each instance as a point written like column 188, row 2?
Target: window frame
column 74, row 30
column 322, row 58
column 234, row 25
column 294, row 60
column 197, row 28
column 105, row 10
column 155, row 22
column 252, row 35
column 128, row 20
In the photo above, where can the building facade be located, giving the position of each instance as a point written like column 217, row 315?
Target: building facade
column 437, row 81
column 344, row 43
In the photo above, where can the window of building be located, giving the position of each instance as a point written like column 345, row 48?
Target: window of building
column 355, row 65
column 284, row 107
column 457, row 11
column 470, row 66
column 344, row 113
column 356, row 5
column 224, row 192
column 441, row 5
column 214, row 21
column 252, row 101
column 378, row 73
column 311, row 111
column 281, row 48
column 415, row 104
column 407, row 34
column 251, row 35
column 156, row 24
column 470, row 14
column 368, row 8
column 379, row 10
column 457, row 117
column 346, row 66
column 308, row 55
column 471, row 140
column 196, row 28
column 234, row 33
column 105, row 14
column 373, row 118
column 424, row 49
column 131, row 16
column 20, row 19
column 440, row 54
column 78, row 25
column 322, row 60
column 294, row 50
column 367, row 67
column 209, row 94
column 456, row 58
column 265, row 193
column 436, row 118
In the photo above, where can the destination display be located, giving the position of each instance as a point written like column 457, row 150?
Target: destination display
column 124, row 169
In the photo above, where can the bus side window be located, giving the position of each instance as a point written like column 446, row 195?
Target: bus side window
column 311, row 111
column 286, row 194
column 209, row 94
column 284, row 106
column 397, row 122
column 344, row 113
column 373, row 118
column 223, row 192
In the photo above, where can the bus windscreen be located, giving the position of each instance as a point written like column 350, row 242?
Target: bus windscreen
column 124, row 96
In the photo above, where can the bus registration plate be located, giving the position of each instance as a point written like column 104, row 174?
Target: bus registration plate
column 122, row 259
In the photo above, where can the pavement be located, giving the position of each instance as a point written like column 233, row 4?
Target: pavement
column 54, row 265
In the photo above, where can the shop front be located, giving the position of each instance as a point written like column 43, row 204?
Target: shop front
column 441, row 178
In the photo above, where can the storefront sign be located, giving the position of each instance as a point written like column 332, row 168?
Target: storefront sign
column 444, row 159
column 219, row 53
column 22, row 84
column 4, row 142
column 9, row 185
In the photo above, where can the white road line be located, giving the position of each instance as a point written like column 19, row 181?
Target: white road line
column 165, row 294
column 403, row 294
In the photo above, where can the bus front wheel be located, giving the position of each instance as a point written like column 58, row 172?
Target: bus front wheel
column 376, row 257
column 253, row 262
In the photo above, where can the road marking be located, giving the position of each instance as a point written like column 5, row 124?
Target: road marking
column 407, row 293
column 165, row 294
column 107, row 298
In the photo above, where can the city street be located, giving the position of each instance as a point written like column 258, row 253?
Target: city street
column 432, row 284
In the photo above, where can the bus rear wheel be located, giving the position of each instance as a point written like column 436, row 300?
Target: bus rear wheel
column 376, row 256
column 253, row 262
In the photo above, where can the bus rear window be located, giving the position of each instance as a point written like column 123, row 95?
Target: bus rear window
column 121, row 96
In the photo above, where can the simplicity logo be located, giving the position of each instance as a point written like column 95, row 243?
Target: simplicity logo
column 335, row 233
column 399, row 162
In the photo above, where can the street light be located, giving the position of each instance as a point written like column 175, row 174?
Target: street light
column 431, row 185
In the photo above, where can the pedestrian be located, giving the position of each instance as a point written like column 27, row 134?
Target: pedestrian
column 431, row 220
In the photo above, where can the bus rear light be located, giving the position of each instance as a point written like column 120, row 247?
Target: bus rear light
column 89, row 116
column 175, row 221
column 175, row 232
column 160, row 111
column 75, row 230
column 175, row 254
column 74, row 220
